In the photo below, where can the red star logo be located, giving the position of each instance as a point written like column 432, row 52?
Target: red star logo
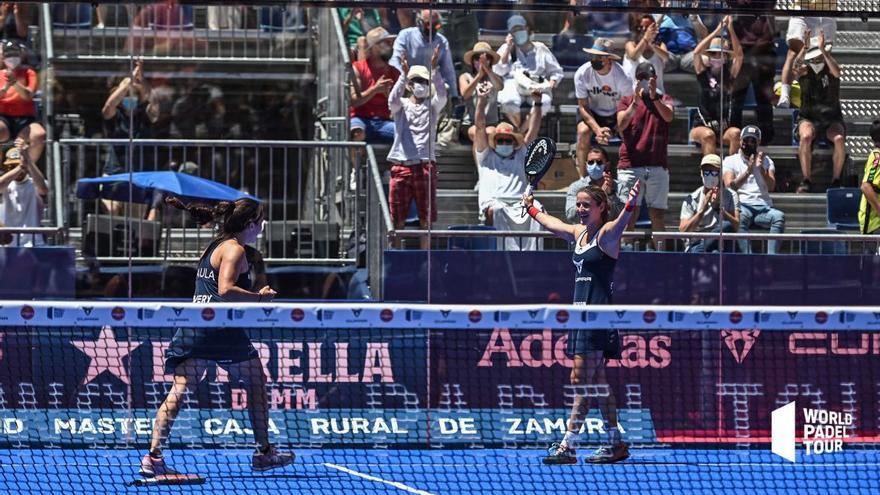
column 106, row 354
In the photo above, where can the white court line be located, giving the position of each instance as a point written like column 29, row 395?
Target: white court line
column 399, row 486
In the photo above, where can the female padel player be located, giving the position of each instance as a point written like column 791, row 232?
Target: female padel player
column 597, row 245
column 223, row 275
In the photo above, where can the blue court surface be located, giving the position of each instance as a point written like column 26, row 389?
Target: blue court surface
column 480, row 471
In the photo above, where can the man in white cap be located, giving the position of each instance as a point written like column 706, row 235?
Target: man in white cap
column 501, row 158
column 413, row 162
column 820, row 115
column 709, row 208
column 526, row 66
column 752, row 175
column 598, row 85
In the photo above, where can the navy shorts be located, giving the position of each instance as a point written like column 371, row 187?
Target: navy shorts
column 16, row 124
column 222, row 345
column 580, row 341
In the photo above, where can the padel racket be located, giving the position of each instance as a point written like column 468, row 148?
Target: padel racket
column 170, row 479
column 539, row 157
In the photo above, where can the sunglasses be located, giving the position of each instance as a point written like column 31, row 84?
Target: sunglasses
column 595, row 162
column 504, row 141
column 418, row 80
column 710, row 173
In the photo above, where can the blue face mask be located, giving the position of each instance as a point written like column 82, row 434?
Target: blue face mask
column 129, row 103
column 521, row 37
column 504, row 150
column 596, row 172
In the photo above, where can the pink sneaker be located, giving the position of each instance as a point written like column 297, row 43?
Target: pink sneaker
column 271, row 459
column 154, row 466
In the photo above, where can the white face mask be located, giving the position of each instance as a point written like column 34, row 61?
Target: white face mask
column 504, row 150
column 710, row 181
column 419, row 90
column 817, row 68
column 716, row 63
column 12, row 62
column 521, row 37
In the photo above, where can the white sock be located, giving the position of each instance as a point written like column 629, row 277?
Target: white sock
column 570, row 439
column 786, row 91
column 613, row 435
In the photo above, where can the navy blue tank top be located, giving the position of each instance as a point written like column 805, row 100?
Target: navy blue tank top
column 207, row 276
column 593, row 272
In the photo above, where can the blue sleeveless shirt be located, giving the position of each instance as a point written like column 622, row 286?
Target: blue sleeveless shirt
column 207, row 290
column 593, row 272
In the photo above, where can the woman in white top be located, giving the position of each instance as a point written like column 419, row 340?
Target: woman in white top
column 645, row 47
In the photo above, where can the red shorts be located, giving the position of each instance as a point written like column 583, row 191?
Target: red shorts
column 414, row 181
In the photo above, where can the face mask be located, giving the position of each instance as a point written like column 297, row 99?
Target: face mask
column 504, row 150
column 12, row 62
column 521, row 37
column 749, row 149
column 644, row 84
column 597, row 64
column 595, row 171
column 817, row 68
column 710, row 181
column 716, row 63
column 419, row 90
column 129, row 103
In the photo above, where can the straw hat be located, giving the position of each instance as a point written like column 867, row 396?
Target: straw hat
column 602, row 47
column 717, row 46
column 505, row 130
column 479, row 49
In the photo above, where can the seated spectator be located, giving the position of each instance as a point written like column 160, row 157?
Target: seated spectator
column 418, row 44
column 501, row 159
column 18, row 114
column 644, row 46
column 869, row 208
column 481, row 59
column 716, row 68
column 756, row 35
column 598, row 85
column 799, row 29
column 24, row 191
column 643, row 120
column 413, row 162
column 820, row 114
column 752, row 175
column 709, row 208
column 526, row 66
column 370, row 116
column 681, row 33
column 356, row 23
column 129, row 110
column 596, row 173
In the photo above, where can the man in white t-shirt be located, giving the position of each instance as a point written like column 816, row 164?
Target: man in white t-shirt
column 24, row 191
column 500, row 161
column 598, row 85
column 709, row 209
column 752, row 175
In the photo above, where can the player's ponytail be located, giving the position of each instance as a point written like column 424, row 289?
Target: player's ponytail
column 232, row 217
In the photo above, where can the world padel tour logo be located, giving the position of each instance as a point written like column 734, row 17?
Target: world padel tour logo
column 823, row 432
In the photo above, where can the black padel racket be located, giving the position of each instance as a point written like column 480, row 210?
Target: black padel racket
column 539, row 157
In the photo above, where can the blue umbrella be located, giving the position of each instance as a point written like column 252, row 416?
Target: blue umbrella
column 185, row 186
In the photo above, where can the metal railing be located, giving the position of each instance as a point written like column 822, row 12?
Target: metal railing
column 276, row 34
column 310, row 202
column 32, row 236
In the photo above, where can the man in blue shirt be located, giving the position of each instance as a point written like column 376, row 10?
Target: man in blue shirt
column 419, row 42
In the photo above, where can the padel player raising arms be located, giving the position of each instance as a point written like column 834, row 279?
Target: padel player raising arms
column 223, row 275
column 597, row 245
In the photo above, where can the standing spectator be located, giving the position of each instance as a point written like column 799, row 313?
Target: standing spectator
column 370, row 116
column 526, row 66
column 501, row 157
column 646, row 47
column 596, row 173
column 716, row 68
column 798, row 33
column 413, row 162
column 18, row 114
column 869, row 208
column 481, row 59
column 24, row 191
column 598, row 85
column 709, row 208
column 752, row 175
column 643, row 120
column 128, row 102
column 756, row 35
column 418, row 44
column 820, row 113
column 16, row 18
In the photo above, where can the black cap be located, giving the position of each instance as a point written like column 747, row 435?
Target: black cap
column 645, row 70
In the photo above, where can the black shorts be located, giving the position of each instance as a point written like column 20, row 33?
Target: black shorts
column 16, row 124
column 821, row 128
column 222, row 345
column 580, row 341
column 603, row 121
